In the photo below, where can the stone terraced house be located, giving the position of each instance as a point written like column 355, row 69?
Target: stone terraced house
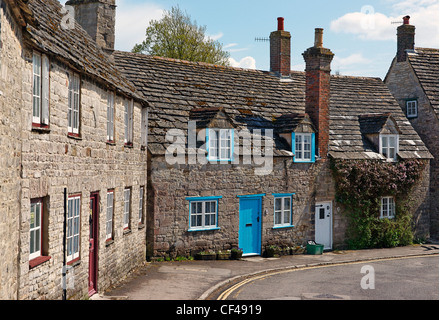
column 241, row 158
column 413, row 81
column 73, row 159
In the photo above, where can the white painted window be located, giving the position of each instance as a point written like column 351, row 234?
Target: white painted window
column 389, row 146
column 387, row 207
column 126, row 208
column 141, row 195
column 220, row 144
column 40, row 90
column 74, row 102
column 412, row 108
column 303, row 147
column 110, row 117
column 35, row 231
column 282, row 211
column 203, row 214
column 73, row 227
column 109, row 216
column 128, row 121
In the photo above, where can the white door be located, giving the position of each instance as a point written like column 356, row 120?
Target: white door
column 324, row 224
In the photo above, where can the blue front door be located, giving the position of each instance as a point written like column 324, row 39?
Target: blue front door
column 250, row 225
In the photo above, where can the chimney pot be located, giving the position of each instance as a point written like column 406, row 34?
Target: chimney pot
column 406, row 20
column 318, row 42
column 280, row 24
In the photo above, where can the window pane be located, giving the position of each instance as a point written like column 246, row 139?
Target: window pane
column 278, row 204
column 278, row 217
column 287, row 203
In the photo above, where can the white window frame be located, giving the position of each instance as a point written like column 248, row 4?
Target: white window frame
column 40, row 89
column 73, row 228
column 201, row 219
column 73, row 115
column 128, row 121
column 35, row 229
column 110, row 116
column 126, row 207
column 141, row 203
column 283, row 211
column 144, row 128
column 387, row 209
column 110, row 215
column 301, row 147
column 412, row 108
column 220, row 144
column 385, row 147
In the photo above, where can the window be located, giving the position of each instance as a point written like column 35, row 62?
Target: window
column 389, row 145
column 128, row 121
column 73, row 110
column 283, row 210
column 203, row 213
column 35, row 231
column 220, row 144
column 412, row 108
column 387, row 207
column 73, row 227
column 126, row 208
column 109, row 217
column 110, row 117
column 303, row 145
column 144, row 128
column 142, row 191
column 40, row 90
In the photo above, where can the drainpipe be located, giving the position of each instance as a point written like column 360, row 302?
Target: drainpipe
column 64, row 281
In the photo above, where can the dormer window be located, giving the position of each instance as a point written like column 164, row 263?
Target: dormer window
column 220, row 144
column 303, row 147
column 389, row 146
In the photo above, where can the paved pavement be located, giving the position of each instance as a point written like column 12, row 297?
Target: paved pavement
column 199, row 280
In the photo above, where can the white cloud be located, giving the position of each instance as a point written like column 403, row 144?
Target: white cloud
column 370, row 25
column 215, row 37
column 246, row 63
column 132, row 19
column 350, row 65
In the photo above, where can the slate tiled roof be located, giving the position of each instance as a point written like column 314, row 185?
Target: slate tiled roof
column 425, row 63
column 74, row 46
column 254, row 99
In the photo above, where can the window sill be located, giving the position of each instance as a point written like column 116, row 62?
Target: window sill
column 109, row 242
column 126, row 231
column 128, row 145
column 283, row 227
column 74, row 136
column 40, row 129
column 37, row 261
column 141, row 225
column 111, row 143
column 74, row 262
column 206, row 229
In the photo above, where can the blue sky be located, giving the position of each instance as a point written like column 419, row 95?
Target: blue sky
column 361, row 34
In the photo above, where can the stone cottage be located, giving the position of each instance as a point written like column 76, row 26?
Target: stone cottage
column 413, row 80
column 73, row 159
column 242, row 158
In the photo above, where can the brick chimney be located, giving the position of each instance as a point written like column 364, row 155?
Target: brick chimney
column 98, row 18
column 280, row 50
column 406, row 39
column 318, row 75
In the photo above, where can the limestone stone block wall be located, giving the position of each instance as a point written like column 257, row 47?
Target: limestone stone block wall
column 11, row 65
column 52, row 161
column 404, row 85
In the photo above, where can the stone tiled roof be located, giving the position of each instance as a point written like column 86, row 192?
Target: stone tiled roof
column 73, row 46
column 425, row 63
column 254, row 99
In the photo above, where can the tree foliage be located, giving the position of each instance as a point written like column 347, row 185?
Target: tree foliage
column 176, row 36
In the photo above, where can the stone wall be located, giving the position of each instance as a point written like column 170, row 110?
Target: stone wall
column 404, row 85
column 11, row 64
column 52, row 161
column 168, row 209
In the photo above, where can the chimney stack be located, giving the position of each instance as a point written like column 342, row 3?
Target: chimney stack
column 406, row 39
column 318, row 77
column 98, row 18
column 280, row 50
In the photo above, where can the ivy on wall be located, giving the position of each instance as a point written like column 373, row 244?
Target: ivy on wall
column 360, row 185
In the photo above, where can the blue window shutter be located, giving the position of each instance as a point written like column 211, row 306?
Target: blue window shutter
column 293, row 144
column 207, row 143
column 313, row 147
